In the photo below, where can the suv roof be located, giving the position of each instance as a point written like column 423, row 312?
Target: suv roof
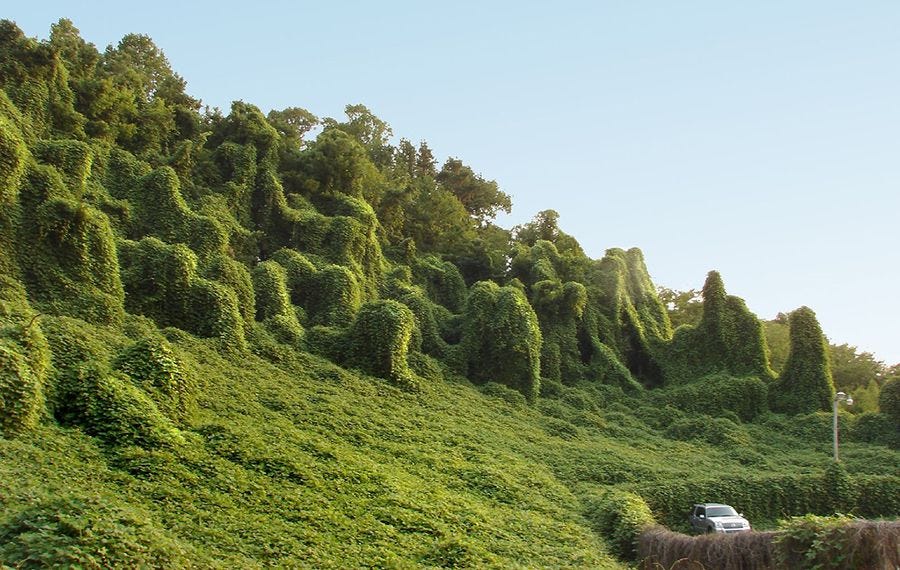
column 711, row 505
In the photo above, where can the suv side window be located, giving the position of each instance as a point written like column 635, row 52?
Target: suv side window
column 701, row 511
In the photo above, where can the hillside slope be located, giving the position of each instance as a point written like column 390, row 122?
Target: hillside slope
column 225, row 345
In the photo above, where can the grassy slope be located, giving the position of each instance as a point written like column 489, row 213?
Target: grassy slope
column 304, row 464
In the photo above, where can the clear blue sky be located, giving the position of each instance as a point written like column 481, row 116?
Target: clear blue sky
column 759, row 139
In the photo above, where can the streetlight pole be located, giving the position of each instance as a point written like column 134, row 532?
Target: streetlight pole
column 839, row 397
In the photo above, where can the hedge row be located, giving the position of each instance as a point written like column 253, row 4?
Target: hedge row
column 779, row 496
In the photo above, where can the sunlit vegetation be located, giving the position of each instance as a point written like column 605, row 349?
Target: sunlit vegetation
column 252, row 339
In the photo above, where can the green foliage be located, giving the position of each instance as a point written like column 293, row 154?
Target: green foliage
column 850, row 370
column 720, row 432
column 713, row 395
column 123, row 174
column 805, row 384
column 729, row 339
column 508, row 395
column 13, row 159
column 273, row 303
column 335, row 162
column 442, row 282
column 35, row 80
column 770, row 496
column 865, row 398
column 560, row 308
column 152, row 365
column 88, row 532
column 71, row 263
column 161, row 211
column 107, row 405
column 21, row 391
column 877, row 428
column 683, row 307
column 838, row 542
column 161, row 282
column 71, row 158
column 378, row 341
column 345, row 240
column 233, row 274
column 481, row 198
column 367, row 130
column 13, row 153
column 889, row 401
column 502, row 339
column 778, row 341
column 606, row 367
column 433, row 218
column 246, row 125
column 839, row 487
column 330, row 295
column 24, row 362
column 625, row 313
column 287, row 459
column 427, row 335
column 620, row 517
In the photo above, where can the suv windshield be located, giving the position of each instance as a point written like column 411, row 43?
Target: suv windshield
column 720, row 512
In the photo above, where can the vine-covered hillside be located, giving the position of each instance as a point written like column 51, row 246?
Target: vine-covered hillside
column 244, row 339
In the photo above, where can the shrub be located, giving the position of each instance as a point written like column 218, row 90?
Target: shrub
column 504, row 393
column 330, row 295
column 625, row 314
column 24, row 359
column 152, row 365
column 551, row 388
column 502, row 339
column 71, row 263
column 70, row 157
column 889, row 401
column 80, row 532
column 876, row 428
column 343, row 240
column 729, row 339
column 715, row 431
column 161, row 282
column 620, row 517
column 378, row 341
column 427, row 327
column 606, row 367
column 13, row 159
column 560, row 308
column 273, row 306
column 769, row 497
column 442, row 282
column 839, row 487
column 107, row 405
column 233, row 274
column 715, row 395
column 805, row 384
column 161, row 211
column 837, row 543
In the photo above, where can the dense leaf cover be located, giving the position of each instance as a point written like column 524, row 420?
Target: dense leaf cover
column 179, row 289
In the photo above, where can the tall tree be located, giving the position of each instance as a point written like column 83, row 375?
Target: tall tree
column 851, row 369
column 371, row 132
column 481, row 198
column 293, row 123
column 684, row 307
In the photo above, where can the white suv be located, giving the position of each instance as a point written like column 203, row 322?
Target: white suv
column 715, row 517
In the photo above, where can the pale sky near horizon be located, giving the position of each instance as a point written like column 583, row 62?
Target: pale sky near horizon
column 759, row 139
